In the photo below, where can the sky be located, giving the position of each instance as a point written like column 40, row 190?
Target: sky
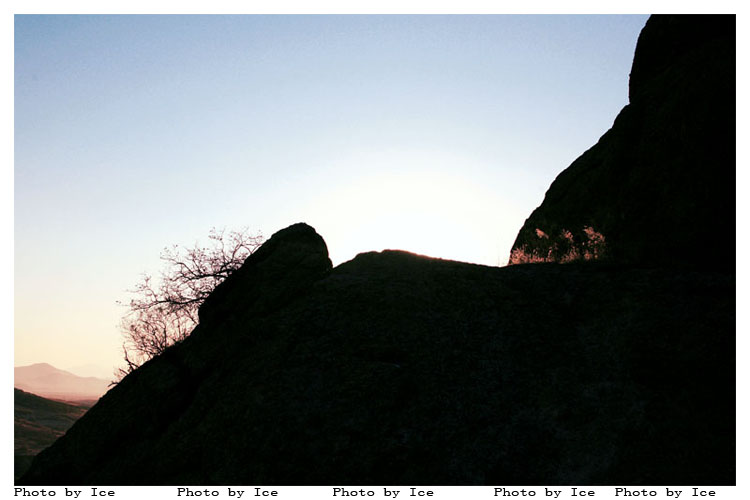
column 433, row 134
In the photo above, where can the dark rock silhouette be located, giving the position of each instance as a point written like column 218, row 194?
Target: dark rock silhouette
column 399, row 369
column 281, row 268
column 660, row 185
column 396, row 369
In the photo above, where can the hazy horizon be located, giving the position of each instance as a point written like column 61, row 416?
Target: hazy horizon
column 432, row 134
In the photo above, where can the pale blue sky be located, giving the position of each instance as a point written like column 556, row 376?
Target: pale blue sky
column 435, row 134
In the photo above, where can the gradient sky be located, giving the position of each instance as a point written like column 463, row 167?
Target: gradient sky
column 433, row 134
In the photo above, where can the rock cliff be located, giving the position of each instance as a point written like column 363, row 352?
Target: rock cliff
column 659, row 187
column 399, row 369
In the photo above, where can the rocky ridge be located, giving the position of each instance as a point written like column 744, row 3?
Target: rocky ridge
column 399, row 369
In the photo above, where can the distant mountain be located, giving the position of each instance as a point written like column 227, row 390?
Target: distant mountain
column 50, row 382
column 90, row 370
column 37, row 423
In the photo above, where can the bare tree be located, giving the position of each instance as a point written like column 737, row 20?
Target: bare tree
column 165, row 311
